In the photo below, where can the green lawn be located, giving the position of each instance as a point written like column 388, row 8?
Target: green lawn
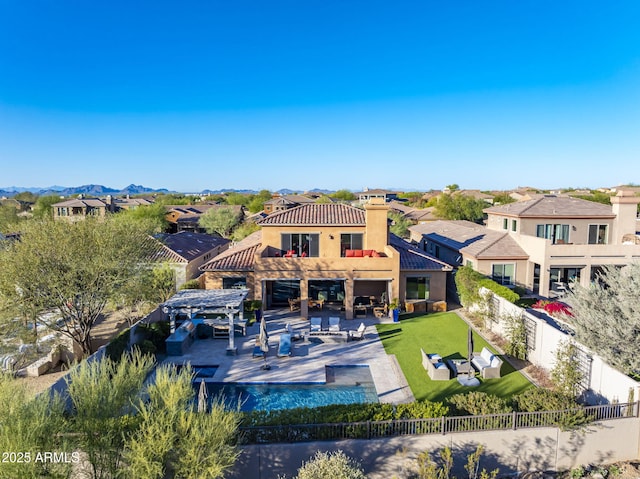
column 445, row 334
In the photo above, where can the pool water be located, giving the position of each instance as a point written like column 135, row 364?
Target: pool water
column 345, row 385
column 288, row 396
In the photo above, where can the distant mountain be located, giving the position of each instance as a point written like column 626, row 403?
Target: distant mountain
column 320, row 190
column 228, row 190
column 87, row 190
column 286, row 191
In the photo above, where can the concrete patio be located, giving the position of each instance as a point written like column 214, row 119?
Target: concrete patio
column 309, row 356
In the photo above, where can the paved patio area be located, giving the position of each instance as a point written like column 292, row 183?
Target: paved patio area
column 309, row 357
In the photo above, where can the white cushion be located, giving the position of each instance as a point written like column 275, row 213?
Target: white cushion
column 486, row 355
column 436, row 357
column 495, row 362
column 441, row 366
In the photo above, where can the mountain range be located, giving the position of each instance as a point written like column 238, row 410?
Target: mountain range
column 100, row 190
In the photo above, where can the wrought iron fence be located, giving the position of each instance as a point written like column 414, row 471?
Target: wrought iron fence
column 441, row 425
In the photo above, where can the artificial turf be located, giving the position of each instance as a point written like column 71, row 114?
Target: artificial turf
column 445, row 334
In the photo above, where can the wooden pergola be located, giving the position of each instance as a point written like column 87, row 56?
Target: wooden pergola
column 228, row 302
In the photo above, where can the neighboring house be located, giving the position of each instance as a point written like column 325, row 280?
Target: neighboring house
column 415, row 215
column 285, row 202
column 541, row 244
column 332, row 251
column 128, row 203
column 187, row 251
column 368, row 194
column 79, row 208
column 187, row 217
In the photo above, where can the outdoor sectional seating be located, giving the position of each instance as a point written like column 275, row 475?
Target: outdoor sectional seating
column 487, row 363
column 435, row 367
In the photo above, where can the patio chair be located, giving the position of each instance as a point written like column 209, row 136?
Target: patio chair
column 294, row 304
column 357, row 334
column 284, row 348
column 316, row 324
column 334, row 324
column 294, row 336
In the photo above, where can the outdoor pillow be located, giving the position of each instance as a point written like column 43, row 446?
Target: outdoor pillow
column 441, row 366
column 494, row 362
column 358, row 253
column 350, row 253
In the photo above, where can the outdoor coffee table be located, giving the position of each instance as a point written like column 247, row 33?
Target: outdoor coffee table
column 460, row 366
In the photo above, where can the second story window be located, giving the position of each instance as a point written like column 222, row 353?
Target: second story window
column 514, row 225
column 505, row 224
column 302, row 244
column 598, row 234
column 558, row 234
column 350, row 241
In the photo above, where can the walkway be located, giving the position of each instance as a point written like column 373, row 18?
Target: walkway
column 309, row 357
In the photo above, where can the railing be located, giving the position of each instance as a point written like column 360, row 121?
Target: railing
column 441, row 425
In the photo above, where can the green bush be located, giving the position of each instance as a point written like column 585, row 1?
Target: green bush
column 330, row 464
column 469, row 282
column 146, row 347
column 191, row 284
column 540, row 399
column 156, row 334
column 118, row 346
column 477, row 403
column 338, row 413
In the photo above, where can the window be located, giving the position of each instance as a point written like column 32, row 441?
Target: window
column 503, row 274
column 234, row 283
column 418, row 288
column 514, row 225
column 558, row 234
column 350, row 241
column 598, row 234
column 505, row 224
column 302, row 244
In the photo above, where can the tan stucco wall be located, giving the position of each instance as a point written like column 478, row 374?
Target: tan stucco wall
column 437, row 284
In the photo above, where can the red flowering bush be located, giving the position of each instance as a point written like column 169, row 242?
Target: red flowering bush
column 553, row 307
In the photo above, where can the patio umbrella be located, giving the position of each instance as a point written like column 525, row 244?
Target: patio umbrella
column 470, row 349
column 264, row 337
column 202, row 396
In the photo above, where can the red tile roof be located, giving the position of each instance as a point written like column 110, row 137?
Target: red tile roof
column 237, row 258
column 318, row 214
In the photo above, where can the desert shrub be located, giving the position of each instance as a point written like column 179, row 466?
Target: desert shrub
column 516, row 335
column 477, row 403
column 156, row 333
column 336, row 465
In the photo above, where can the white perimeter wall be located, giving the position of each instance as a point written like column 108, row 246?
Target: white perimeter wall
column 606, row 382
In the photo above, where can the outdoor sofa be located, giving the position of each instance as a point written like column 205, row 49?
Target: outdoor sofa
column 435, row 367
column 487, row 363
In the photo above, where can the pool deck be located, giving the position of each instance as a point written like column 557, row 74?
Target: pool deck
column 309, row 356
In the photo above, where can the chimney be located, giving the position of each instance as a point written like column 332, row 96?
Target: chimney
column 377, row 232
column 625, row 206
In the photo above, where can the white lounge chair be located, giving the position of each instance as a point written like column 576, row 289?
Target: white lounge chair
column 357, row 334
column 316, row 324
column 334, row 324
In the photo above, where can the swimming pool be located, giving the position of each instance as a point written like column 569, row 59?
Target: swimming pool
column 345, row 385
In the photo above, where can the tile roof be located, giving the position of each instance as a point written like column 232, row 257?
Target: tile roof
column 79, row 203
column 412, row 258
column 318, row 214
column 472, row 239
column 237, row 258
column 185, row 246
column 553, row 206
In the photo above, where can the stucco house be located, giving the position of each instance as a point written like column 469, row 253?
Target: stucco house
column 79, row 208
column 187, row 217
column 334, row 252
column 186, row 251
column 541, row 244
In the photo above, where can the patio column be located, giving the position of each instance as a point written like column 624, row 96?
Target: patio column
column 348, row 298
column 304, row 298
column 172, row 321
column 231, row 349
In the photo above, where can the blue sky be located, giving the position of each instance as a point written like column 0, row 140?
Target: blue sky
column 315, row 94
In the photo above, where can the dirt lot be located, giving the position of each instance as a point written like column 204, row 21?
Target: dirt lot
column 103, row 331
